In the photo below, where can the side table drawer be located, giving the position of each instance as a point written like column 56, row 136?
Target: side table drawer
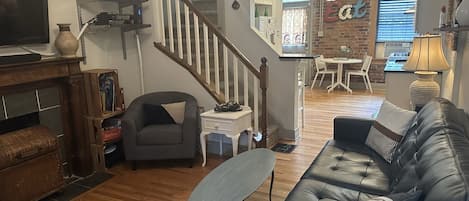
column 214, row 124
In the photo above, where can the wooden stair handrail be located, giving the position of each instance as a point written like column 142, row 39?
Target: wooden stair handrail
column 224, row 39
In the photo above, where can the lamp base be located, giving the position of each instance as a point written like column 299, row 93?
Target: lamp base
column 424, row 88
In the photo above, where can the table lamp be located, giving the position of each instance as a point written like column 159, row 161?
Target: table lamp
column 426, row 59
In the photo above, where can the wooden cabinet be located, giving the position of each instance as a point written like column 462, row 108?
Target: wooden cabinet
column 105, row 103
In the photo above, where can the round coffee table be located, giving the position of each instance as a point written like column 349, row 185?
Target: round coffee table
column 237, row 178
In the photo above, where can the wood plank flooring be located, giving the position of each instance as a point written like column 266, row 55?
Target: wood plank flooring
column 172, row 181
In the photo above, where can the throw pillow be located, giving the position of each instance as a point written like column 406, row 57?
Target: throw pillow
column 176, row 110
column 412, row 195
column 390, row 126
column 172, row 113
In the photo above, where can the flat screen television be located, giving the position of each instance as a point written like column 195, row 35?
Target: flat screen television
column 24, row 22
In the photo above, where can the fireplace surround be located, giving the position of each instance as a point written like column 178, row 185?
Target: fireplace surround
column 52, row 91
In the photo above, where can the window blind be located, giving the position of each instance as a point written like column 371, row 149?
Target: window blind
column 394, row 25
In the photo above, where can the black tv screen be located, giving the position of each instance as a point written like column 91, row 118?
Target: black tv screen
column 23, row 22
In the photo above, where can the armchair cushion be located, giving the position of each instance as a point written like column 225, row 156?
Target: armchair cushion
column 160, row 135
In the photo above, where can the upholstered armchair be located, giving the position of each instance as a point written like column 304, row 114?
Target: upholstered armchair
column 144, row 140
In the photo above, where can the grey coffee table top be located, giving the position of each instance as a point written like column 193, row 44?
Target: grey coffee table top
column 236, row 178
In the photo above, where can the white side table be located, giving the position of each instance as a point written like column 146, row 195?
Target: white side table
column 230, row 124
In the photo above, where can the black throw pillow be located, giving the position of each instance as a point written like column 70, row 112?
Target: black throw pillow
column 156, row 115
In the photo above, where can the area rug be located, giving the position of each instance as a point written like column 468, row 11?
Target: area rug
column 79, row 187
column 284, row 148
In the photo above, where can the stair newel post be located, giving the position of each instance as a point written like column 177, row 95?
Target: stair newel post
column 264, row 79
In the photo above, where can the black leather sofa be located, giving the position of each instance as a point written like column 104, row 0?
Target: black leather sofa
column 433, row 158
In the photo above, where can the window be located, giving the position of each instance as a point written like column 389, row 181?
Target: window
column 395, row 24
column 295, row 26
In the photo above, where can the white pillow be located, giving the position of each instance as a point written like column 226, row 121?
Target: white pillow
column 176, row 111
column 389, row 128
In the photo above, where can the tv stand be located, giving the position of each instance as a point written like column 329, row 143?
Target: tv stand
column 19, row 58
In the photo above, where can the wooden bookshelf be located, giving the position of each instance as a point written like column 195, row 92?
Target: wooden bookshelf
column 99, row 111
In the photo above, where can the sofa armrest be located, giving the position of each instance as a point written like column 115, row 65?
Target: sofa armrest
column 352, row 129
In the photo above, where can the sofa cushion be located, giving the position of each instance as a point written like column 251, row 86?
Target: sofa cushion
column 160, row 135
column 412, row 195
column 389, row 128
column 314, row 190
column 434, row 154
column 351, row 166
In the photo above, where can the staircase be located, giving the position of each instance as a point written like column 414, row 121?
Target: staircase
column 191, row 39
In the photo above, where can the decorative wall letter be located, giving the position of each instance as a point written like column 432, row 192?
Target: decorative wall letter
column 357, row 7
column 331, row 11
column 345, row 13
column 335, row 10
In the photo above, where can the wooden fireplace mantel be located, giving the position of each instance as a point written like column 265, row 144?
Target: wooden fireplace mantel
column 20, row 73
column 65, row 73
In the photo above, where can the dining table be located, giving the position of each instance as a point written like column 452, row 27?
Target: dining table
column 340, row 68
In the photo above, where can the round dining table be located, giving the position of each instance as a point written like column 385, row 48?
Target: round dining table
column 340, row 67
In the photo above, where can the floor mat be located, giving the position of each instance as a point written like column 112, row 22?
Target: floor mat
column 78, row 187
column 284, row 148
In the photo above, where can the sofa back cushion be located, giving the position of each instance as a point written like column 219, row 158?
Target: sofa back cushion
column 434, row 155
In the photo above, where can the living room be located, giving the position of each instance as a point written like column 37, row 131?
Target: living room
column 142, row 49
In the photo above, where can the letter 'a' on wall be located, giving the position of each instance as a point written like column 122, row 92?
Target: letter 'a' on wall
column 336, row 10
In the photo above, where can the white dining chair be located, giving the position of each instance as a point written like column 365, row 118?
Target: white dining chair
column 363, row 72
column 321, row 68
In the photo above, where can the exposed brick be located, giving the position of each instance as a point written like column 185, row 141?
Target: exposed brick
column 352, row 33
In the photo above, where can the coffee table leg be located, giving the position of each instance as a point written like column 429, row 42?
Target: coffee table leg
column 271, row 185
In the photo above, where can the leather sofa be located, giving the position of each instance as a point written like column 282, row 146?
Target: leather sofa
column 433, row 158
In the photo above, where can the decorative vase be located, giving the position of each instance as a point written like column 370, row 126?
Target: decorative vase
column 66, row 43
column 462, row 13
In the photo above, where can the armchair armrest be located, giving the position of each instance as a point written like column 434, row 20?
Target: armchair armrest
column 352, row 129
column 191, row 125
column 132, row 123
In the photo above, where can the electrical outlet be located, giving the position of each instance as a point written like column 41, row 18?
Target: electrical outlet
column 320, row 34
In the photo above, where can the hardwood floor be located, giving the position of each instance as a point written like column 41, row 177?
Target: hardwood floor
column 172, row 181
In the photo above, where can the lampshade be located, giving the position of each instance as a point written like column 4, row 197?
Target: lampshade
column 427, row 55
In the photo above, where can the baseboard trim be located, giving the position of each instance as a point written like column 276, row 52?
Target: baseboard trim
column 289, row 134
column 353, row 85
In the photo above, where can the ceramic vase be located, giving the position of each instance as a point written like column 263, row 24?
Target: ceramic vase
column 66, row 43
column 462, row 13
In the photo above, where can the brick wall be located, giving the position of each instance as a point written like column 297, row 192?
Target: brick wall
column 354, row 33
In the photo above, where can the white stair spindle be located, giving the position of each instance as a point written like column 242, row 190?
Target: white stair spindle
column 246, row 86
column 188, row 35
column 163, row 32
column 225, row 72
column 235, row 80
column 256, row 104
column 178, row 28
column 216, row 63
column 206, row 55
column 170, row 25
column 197, row 44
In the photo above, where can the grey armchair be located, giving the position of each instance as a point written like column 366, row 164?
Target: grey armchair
column 158, row 142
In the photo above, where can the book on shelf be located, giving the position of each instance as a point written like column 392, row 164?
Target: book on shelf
column 107, row 88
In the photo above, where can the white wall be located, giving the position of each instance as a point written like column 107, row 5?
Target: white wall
column 60, row 11
column 282, row 89
column 462, row 96
column 104, row 50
